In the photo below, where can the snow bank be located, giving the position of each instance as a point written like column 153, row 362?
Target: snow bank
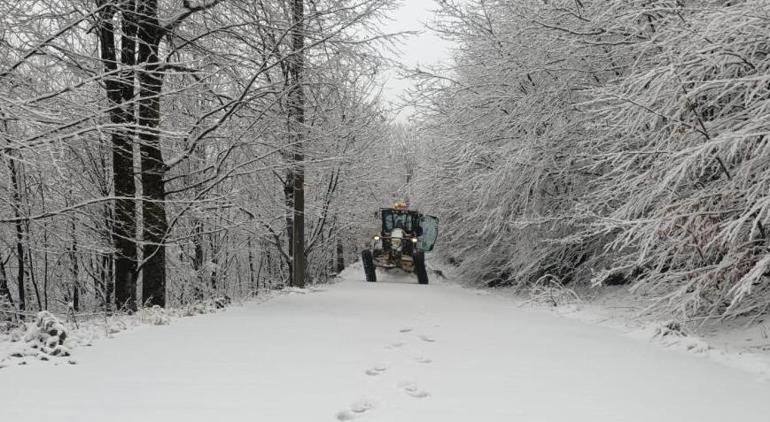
column 720, row 342
column 735, row 355
column 155, row 316
column 671, row 334
column 743, row 345
column 49, row 337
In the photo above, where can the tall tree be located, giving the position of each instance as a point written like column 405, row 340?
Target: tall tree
column 119, row 85
column 297, row 130
column 155, row 228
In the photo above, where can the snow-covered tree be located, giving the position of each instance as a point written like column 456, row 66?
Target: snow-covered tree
column 604, row 141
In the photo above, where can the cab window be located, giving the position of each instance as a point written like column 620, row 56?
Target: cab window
column 429, row 229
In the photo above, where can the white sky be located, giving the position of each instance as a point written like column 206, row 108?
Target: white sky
column 419, row 50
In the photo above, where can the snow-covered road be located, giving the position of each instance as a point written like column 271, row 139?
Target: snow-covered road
column 388, row 351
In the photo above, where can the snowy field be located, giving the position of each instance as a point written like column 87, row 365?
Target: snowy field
column 389, row 351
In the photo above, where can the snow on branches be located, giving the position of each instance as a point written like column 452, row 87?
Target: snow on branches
column 608, row 137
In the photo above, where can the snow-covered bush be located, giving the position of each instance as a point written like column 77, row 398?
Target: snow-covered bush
column 155, row 316
column 669, row 329
column 7, row 322
column 672, row 334
column 222, row 302
column 548, row 290
column 47, row 334
column 198, row 308
column 206, row 306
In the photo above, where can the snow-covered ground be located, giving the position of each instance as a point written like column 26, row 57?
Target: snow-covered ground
column 388, row 351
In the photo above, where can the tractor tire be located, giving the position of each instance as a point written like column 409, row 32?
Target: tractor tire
column 366, row 258
column 419, row 267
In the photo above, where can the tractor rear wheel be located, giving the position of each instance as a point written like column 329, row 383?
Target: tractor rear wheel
column 366, row 258
column 419, row 267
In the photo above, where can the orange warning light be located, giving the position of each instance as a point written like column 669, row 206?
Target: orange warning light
column 399, row 205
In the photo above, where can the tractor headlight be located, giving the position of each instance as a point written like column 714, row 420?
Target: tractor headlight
column 414, row 240
column 376, row 238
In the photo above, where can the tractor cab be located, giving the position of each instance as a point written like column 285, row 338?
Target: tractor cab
column 406, row 235
column 422, row 230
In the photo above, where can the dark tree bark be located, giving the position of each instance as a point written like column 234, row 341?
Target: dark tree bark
column 153, row 167
column 198, row 257
column 19, row 226
column 120, row 92
column 45, row 266
column 213, row 277
column 75, row 270
column 107, row 268
column 4, row 291
column 259, row 272
column 32, row 277
column 19, row 232
column 252, row 285
column 340, row 256
column 297, row 122
column 288, row 193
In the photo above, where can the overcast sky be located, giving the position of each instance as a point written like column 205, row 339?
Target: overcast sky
column 423, row 49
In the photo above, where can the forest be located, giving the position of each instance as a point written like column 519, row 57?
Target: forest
column 158, row 152
column 164, row 152
column 605, row 143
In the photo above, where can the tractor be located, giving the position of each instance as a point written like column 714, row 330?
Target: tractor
column 405, row 237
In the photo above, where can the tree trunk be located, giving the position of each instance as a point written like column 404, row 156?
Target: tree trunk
column 259, row 272
column 297, row 112
column 120, row 91
column 105, row 262
column 32, row 278
column 153, row 167
column 16, row 197
column 252, row 284
column 340, row 256
column 213, row 277
column 45, row 266
column 4, row 291
column 19, row 226
column 75, row 271
column 288, row 192
column 270, row 270
column 198, row 257
column 108, row 263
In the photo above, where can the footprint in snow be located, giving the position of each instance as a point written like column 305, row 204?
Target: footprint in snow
column 396, row 345
column 405, row 330
column 423, row 359
column 377, row 369
column 357, row 409
column 426, row 338
column 413, row 390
